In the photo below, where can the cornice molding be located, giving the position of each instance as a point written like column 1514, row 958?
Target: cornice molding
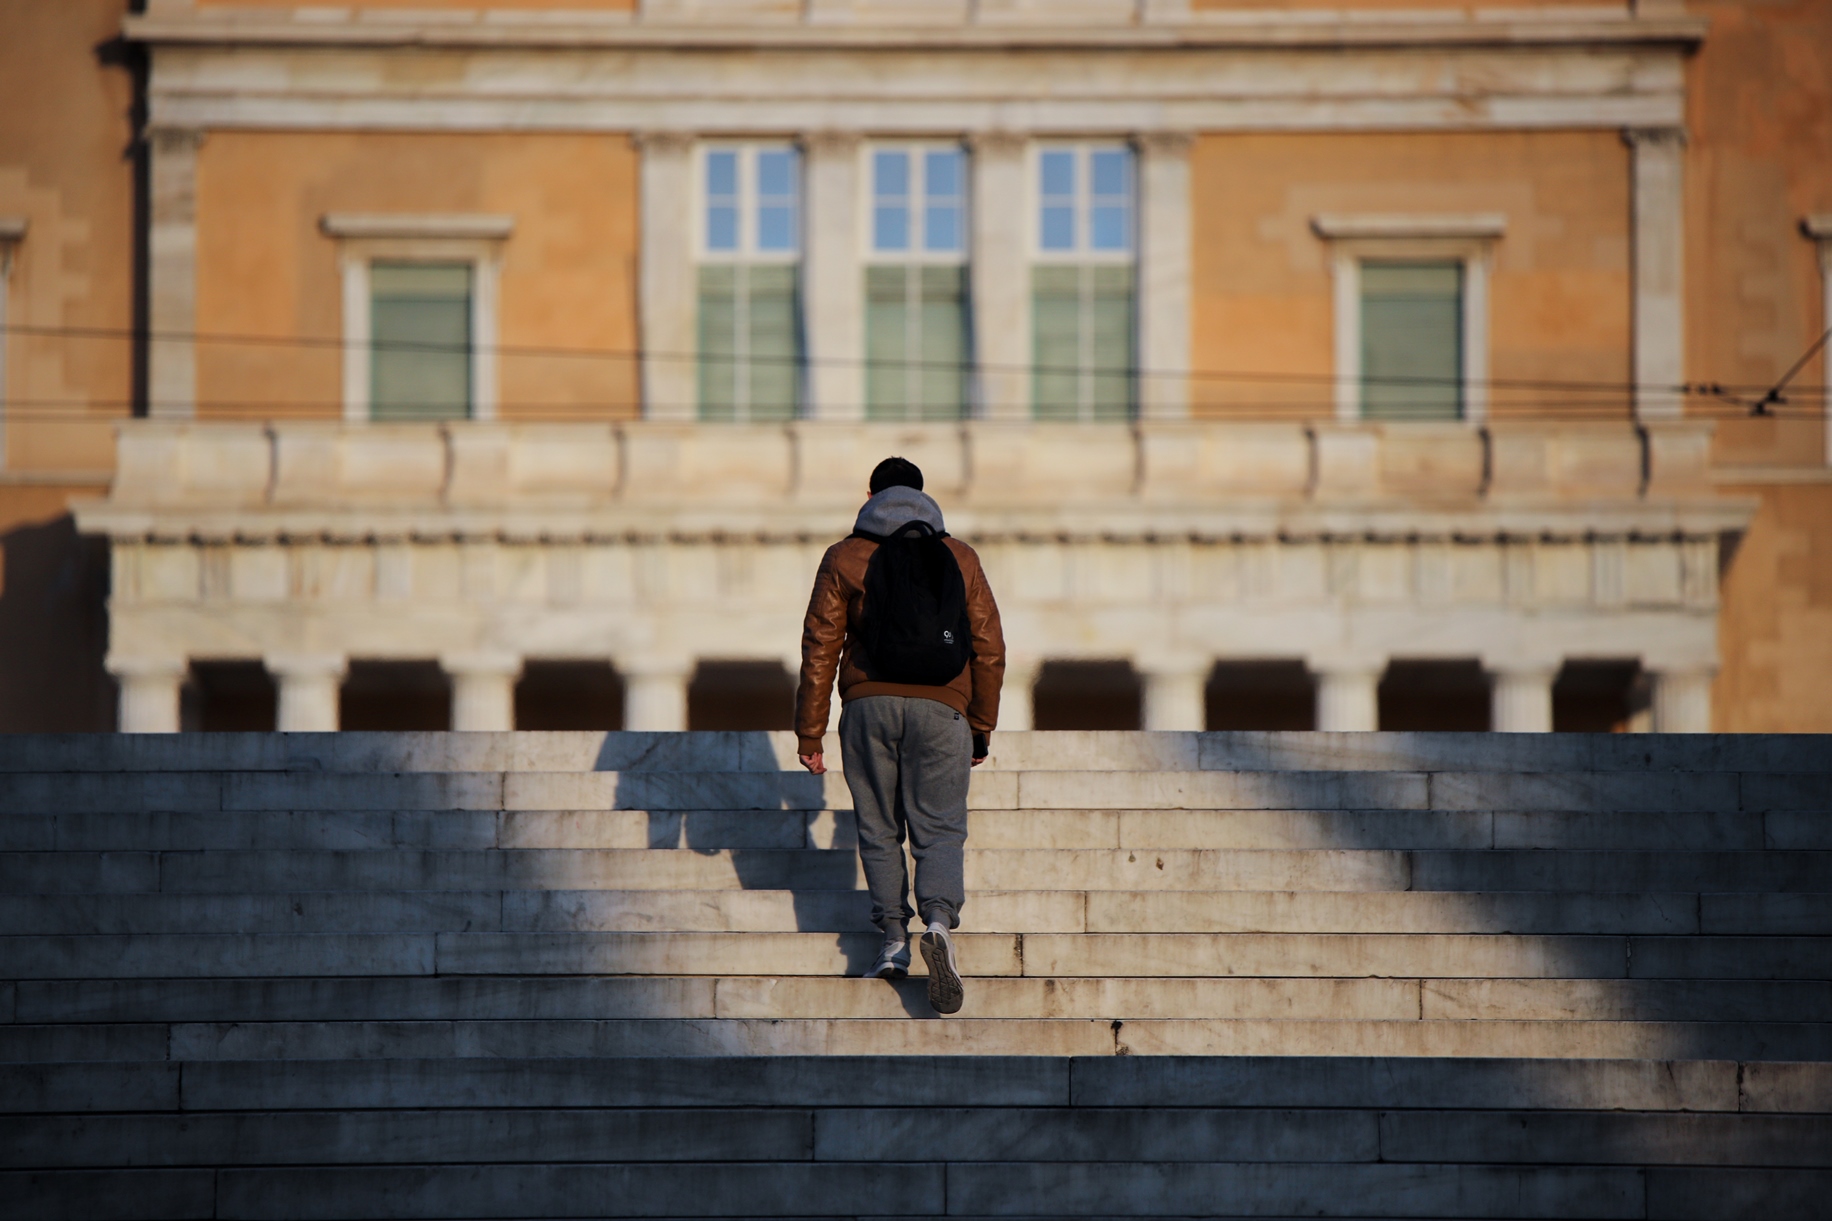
column 448, row 226
column 1339, row 226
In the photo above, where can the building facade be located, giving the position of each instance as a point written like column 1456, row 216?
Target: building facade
column 1288, row 365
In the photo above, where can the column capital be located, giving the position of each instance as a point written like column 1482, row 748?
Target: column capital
column 1171, row 664
column 996, row 142
column 647, row 666
column 305, row 665
column 829, row 142
column 481, row 662
column 1636, row 137
column 663, row 140
column 1346, row 663
column 166, row 138
column 132, row 666
column 1165, row 143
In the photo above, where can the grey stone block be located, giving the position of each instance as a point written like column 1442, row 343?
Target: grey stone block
column 44, row 873
column 1730, row 957
column 1713, row 831
column 1080, row 1189
column 1626, row 1000
column 1788, row 1087
column 1806, row 914
column 109, row 1195
column 1322, row 954
column 1173, row 869
column 1502, row 869
column 697, row 790
column 699, row 953
column 201, row 956
column 29, row 1044
column 31, row 1089
column 1106, row 1135
column 745, row 1081
column 654, row 829
column 1528, row 912
column 328, row 1000
column 552, row 911
column 1795, row 829
column 1214, row 790
column 162, row 830
column 1585, row 792
column 345, row 791
column 717, row 1189
column 106, row 792
column 1771, row 791
column 28, row 832
column 1708, row 1194
column 1576, row 1138
column 1249, row 829
column 356, row 1138
column 304, row 912
column 1354, row 1081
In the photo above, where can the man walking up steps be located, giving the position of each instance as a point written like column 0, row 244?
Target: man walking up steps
column 902, row 617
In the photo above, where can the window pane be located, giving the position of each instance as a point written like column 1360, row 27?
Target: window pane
column 887, row 331
column 722, row 173
column 891, row 174
column 1110, row 200
column 1412, row 340
column 420, row 326
column 944, row 201
column 1110, row 173
column 890, row 227
column 1056, row 342
column 718, row 334
column 1058, row 228
column 1058, row 171
column 890, row 219
column 1056, row 223
column 774, row 336
column 778, row 217
column 721, row 201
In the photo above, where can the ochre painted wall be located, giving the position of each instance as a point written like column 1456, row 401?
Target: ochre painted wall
column 1776, row 627
column 542, row 5
column 1261, row 282
column 266, row 268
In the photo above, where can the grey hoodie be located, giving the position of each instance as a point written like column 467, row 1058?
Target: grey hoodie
column 894, row 508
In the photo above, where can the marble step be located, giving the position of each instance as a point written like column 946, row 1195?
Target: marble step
column 1005, row 829
column 284, row 870
column 970, row 1033
column 495, row 998
column 1574, row 792
column 887, row 1133
column 1055, row 751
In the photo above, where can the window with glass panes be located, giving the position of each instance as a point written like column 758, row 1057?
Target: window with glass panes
column 1084, row 329
column 916, row 341
column 750, row 337
column 1412, row 340
column 420, row 364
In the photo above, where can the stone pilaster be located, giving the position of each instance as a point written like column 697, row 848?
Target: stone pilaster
column 1658, row 243
column 149, row 689
column 172, row 274
column 1347, row 695
column 655, row 696
column 669, row 286
column 1164, row 274
column 1521, row 699
column 1174, row 694
column 1682, row 700
column 833, row 288
column 483, row 690
column 1000, row 272
column 309, row 686
column 1016, row 710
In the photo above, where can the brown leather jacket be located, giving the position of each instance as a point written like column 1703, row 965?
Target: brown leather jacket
column 828, row 645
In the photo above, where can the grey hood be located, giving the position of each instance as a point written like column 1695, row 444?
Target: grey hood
column 894, row 508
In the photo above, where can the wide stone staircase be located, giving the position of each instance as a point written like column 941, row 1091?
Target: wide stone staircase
column 595, row 975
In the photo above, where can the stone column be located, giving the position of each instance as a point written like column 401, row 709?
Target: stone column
column 1000, row 275
column 1347, row 697
column 1520, row 699
column 172, row 274
column 833, row 283
column 1164, row 274
column 309, row 686
column 669, row 283
column 1682, row 700
column 150, row 689
column 1016, row 710
column 1174, row 695
column 655, row 696
column 1658, row 244
column 483, row 690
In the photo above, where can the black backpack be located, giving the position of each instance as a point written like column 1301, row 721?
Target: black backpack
column 914, row 622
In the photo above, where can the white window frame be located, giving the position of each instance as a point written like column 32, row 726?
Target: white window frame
column 868, row 198
column 1083, row 253
column 364, row 240
column 12, row 232
column 747, row 251
column 1466, row 240
column 1819, row 228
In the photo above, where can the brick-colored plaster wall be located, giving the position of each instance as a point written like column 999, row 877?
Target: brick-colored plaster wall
column 266, row 268
column 1776, row 625
column 1261, row 283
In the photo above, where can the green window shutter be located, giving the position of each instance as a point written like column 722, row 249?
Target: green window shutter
column 1111, row 342
column 1056, row 343
column 887, row 334
column 718, row 343
column 1412, row 341
column 943, row 324
column 420, row 329
column 774, row 342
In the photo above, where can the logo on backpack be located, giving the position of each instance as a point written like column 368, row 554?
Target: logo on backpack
column 913, row 624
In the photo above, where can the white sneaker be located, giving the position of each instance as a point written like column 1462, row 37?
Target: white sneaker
column 893, row 961
column 945, row 992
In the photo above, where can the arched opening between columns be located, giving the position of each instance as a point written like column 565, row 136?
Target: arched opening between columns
column 1424, row 696
column 562, row 695
column 395, row 696
column 228, row 696
column 741, row 696
column 1087, row 695
column 1260, row 695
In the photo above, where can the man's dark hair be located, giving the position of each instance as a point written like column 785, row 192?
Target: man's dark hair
column 895, row 473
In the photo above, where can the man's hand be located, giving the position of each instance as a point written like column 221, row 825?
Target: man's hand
column 978, row 761
column 816, row 763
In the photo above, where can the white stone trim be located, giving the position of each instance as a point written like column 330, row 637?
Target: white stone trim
column 150, row 689
column 999, row 276
column 12, row 232
column 1163, row 204
column 365, row 240
column 1658, row 241
column 172, row 272
column 1469, row 240
column 833, row 281
column 1819, row 227
column 668, row 291
column 309, row 686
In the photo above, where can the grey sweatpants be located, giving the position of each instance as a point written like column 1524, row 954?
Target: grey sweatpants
column 906, row 763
